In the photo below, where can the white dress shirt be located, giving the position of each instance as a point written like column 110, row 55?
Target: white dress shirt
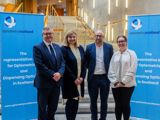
column 99, row 68
column 123, row 68
column 47, row 45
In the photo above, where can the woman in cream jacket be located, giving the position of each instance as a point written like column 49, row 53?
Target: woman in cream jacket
column 122, row 77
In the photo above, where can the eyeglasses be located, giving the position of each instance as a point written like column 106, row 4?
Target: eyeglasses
column 47, row 34
column 122, row 41
column 99, row 35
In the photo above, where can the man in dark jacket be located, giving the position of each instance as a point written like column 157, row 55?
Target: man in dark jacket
column 50, row 67
column 98, row 56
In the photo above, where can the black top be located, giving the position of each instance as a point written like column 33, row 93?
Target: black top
column 69, row 88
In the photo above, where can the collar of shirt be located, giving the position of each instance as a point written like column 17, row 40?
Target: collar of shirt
column 46, row 43
column 99, row 46
column 119, row 52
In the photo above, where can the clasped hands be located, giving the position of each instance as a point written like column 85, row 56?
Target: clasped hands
column 119, row 84
column 78, row 81
column 56, row 76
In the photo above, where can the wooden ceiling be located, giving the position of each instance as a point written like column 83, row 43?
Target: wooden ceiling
column 61, row 4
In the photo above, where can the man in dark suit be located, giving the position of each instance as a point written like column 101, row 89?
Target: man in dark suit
column 98, row 56
column 50, row 67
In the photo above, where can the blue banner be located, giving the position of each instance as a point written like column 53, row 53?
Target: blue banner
column 144, row 38
column 18, row 34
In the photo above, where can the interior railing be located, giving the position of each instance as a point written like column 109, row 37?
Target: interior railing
column 18, row 7
column 55, row 22
column 51, row 11
column 111, row 30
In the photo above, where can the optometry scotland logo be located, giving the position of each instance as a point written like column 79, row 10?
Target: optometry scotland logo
column 10, row 22
column 136, row 24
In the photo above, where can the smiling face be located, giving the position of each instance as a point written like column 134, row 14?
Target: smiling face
column 99, row 37
column 122, row 43
column 72, row 39
column 48, row 35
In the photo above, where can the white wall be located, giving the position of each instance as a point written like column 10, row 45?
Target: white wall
column 7, row 1
column 135, row 7
column 1, row 9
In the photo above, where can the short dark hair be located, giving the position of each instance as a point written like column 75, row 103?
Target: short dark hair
column 123, row 36
column 46, row 29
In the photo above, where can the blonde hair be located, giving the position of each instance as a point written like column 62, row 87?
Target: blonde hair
column 72, row 32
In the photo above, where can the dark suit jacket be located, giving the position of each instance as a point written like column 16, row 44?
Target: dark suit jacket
column 46, row 67
column 91, row 58
column 69, row 88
